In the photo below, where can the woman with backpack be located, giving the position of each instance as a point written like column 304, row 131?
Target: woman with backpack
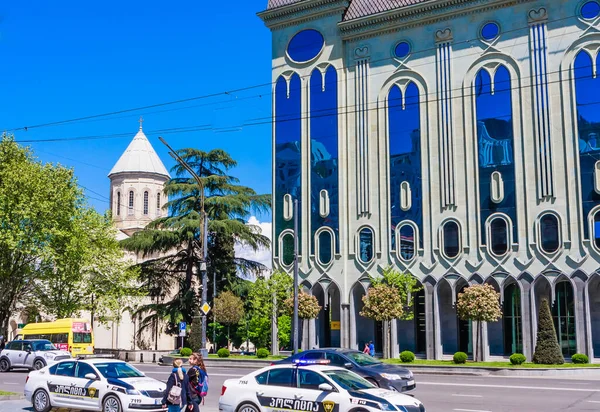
column 198, row 380
column 177, row 393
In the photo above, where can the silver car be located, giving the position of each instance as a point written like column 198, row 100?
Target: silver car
column 31, row 354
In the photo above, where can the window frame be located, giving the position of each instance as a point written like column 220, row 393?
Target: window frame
column 558, row 230
column 318, row 245
column 416, row 239
column 300, row 371
column 118, row 203
column 131, row 203
column 373, row 245
column 290, row 383
column 442, row 245
column 282, row 235
column 146, row 209
column 94, row 371
column 509, row 233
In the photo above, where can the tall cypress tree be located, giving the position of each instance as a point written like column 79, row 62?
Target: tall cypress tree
column 547, row 349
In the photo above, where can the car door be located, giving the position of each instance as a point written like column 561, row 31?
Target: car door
column 275, row 390
column 312, row 399
column 14, row 352
column 90, row 388
column 28, row 354
column 59, row 384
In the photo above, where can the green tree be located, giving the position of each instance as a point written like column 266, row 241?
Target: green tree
column 308, row 305
column 547, row 349
column 479, row 303
column 381, row 304
column 405, row 284
column 176, row 239
column 37, row 204
column 229, row 310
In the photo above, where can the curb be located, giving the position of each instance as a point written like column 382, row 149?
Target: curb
column 11, row 398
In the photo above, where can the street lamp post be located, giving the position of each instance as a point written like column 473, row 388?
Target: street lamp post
column 203, row 227
column 295, row 320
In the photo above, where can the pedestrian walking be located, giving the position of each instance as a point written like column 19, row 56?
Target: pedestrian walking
column 371, row 348
column 366, row 349
column 198, row 378
column 177, row 394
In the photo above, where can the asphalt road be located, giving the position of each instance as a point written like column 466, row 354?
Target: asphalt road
column 438, row 393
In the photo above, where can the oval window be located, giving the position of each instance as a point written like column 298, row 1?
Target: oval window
column 305, row 45
column 597, row 229
column 365, row 252
column 407, row 242
column 287, row 246
column 549, row 233
column 451, row 239
column 590, row 10
column 325, row 252
column 490, row 31
column 499, row 236
column 402, row 50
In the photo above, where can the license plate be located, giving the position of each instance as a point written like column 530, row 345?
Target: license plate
column 410, row 383
column 157, row 401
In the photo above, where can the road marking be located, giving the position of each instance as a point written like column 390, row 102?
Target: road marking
column 470, row 410
column 467, row 396
column 10, row 383
column 594, row 401
column 463, row 385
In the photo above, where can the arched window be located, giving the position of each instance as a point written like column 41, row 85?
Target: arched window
column 587, row 89
column 563, row 312
column 513, row 329
column 365, row 237
column 549, row 234
column 146, row 202
column 451, row 239
column 288, row 150
column 158, row 208
column 287, row 255
column 130, row 208
column 407, row 242
column 118, row 203
column 495, row 148
column 324, row 152
column 325, row 254
column 404, row 120
column 499, row 236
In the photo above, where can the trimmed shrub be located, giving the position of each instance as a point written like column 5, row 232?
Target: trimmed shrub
column 459, row 358
column 580, row 358
column 262, row 353
column 547, row 350
column 223, row 353
column 185, row 352
column 407, row 356
column 517, row 358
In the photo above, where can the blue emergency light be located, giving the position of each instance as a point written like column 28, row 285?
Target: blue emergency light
column 302, row 362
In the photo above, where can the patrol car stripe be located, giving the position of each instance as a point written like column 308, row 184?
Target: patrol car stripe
column 284, row 404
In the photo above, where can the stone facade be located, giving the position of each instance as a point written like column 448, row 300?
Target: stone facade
column 459, row 147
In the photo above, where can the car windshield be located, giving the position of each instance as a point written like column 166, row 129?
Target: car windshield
column 362, row 358
column 118, row 370
column 43, row 345
column 348, row 380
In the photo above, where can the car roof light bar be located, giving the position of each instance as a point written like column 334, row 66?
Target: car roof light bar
column 300, row 362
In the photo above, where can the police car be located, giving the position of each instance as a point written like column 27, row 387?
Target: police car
column 105, row 385
column 311, row 387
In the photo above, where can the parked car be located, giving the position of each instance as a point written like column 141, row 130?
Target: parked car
column 30, row 354
column 383, row 375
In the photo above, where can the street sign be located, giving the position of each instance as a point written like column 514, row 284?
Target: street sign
column 182, row 329
column 335, row 325
column 205, row 308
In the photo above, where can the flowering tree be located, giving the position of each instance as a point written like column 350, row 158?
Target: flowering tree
column 308, row 306
column 480, row 303
column 381, row 303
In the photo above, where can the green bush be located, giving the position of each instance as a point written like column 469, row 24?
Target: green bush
column 407, row 356
column 460, row 357
column 580, row 358
column 547, row 350
column 185, row 352
column 223, row 353
column 517, row 358
column 262, row 353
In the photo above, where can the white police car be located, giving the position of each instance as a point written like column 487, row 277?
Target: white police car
column 105, row 385
column 310, row 387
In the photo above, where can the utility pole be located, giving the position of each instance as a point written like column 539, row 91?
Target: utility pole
column 295, row 320
column 203, row 227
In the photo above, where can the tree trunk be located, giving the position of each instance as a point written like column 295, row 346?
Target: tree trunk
column 228, row 334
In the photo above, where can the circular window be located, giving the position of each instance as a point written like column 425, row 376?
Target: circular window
column 451, row 240
column 590, row 10
column 549, row 233
column 287, row 253
column 402, row 50
column 499, row 236
column 365, row 253
column 490, row 31
column 325, row 252
column 305, row 45
column 407, row 242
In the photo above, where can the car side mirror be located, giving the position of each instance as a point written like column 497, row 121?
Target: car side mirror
column 325, row 387
column 348, row 365
column 91, row 376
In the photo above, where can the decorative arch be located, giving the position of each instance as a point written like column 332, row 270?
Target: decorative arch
column 592, row 291
column 363, row 329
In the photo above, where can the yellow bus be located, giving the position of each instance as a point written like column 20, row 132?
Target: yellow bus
column 73, row 335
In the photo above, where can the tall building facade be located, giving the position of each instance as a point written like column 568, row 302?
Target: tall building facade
column 455, row 140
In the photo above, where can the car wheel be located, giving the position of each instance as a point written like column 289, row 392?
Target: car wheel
column 38, row 364
column 4, row 365
column 111, row 404
column 41, row 401
column 373, row 381
column 248, row 407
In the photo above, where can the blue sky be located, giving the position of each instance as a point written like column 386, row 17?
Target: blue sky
column 69, row 59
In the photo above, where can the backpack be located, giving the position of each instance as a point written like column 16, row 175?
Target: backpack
column 174, row 396
column 200, row 388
